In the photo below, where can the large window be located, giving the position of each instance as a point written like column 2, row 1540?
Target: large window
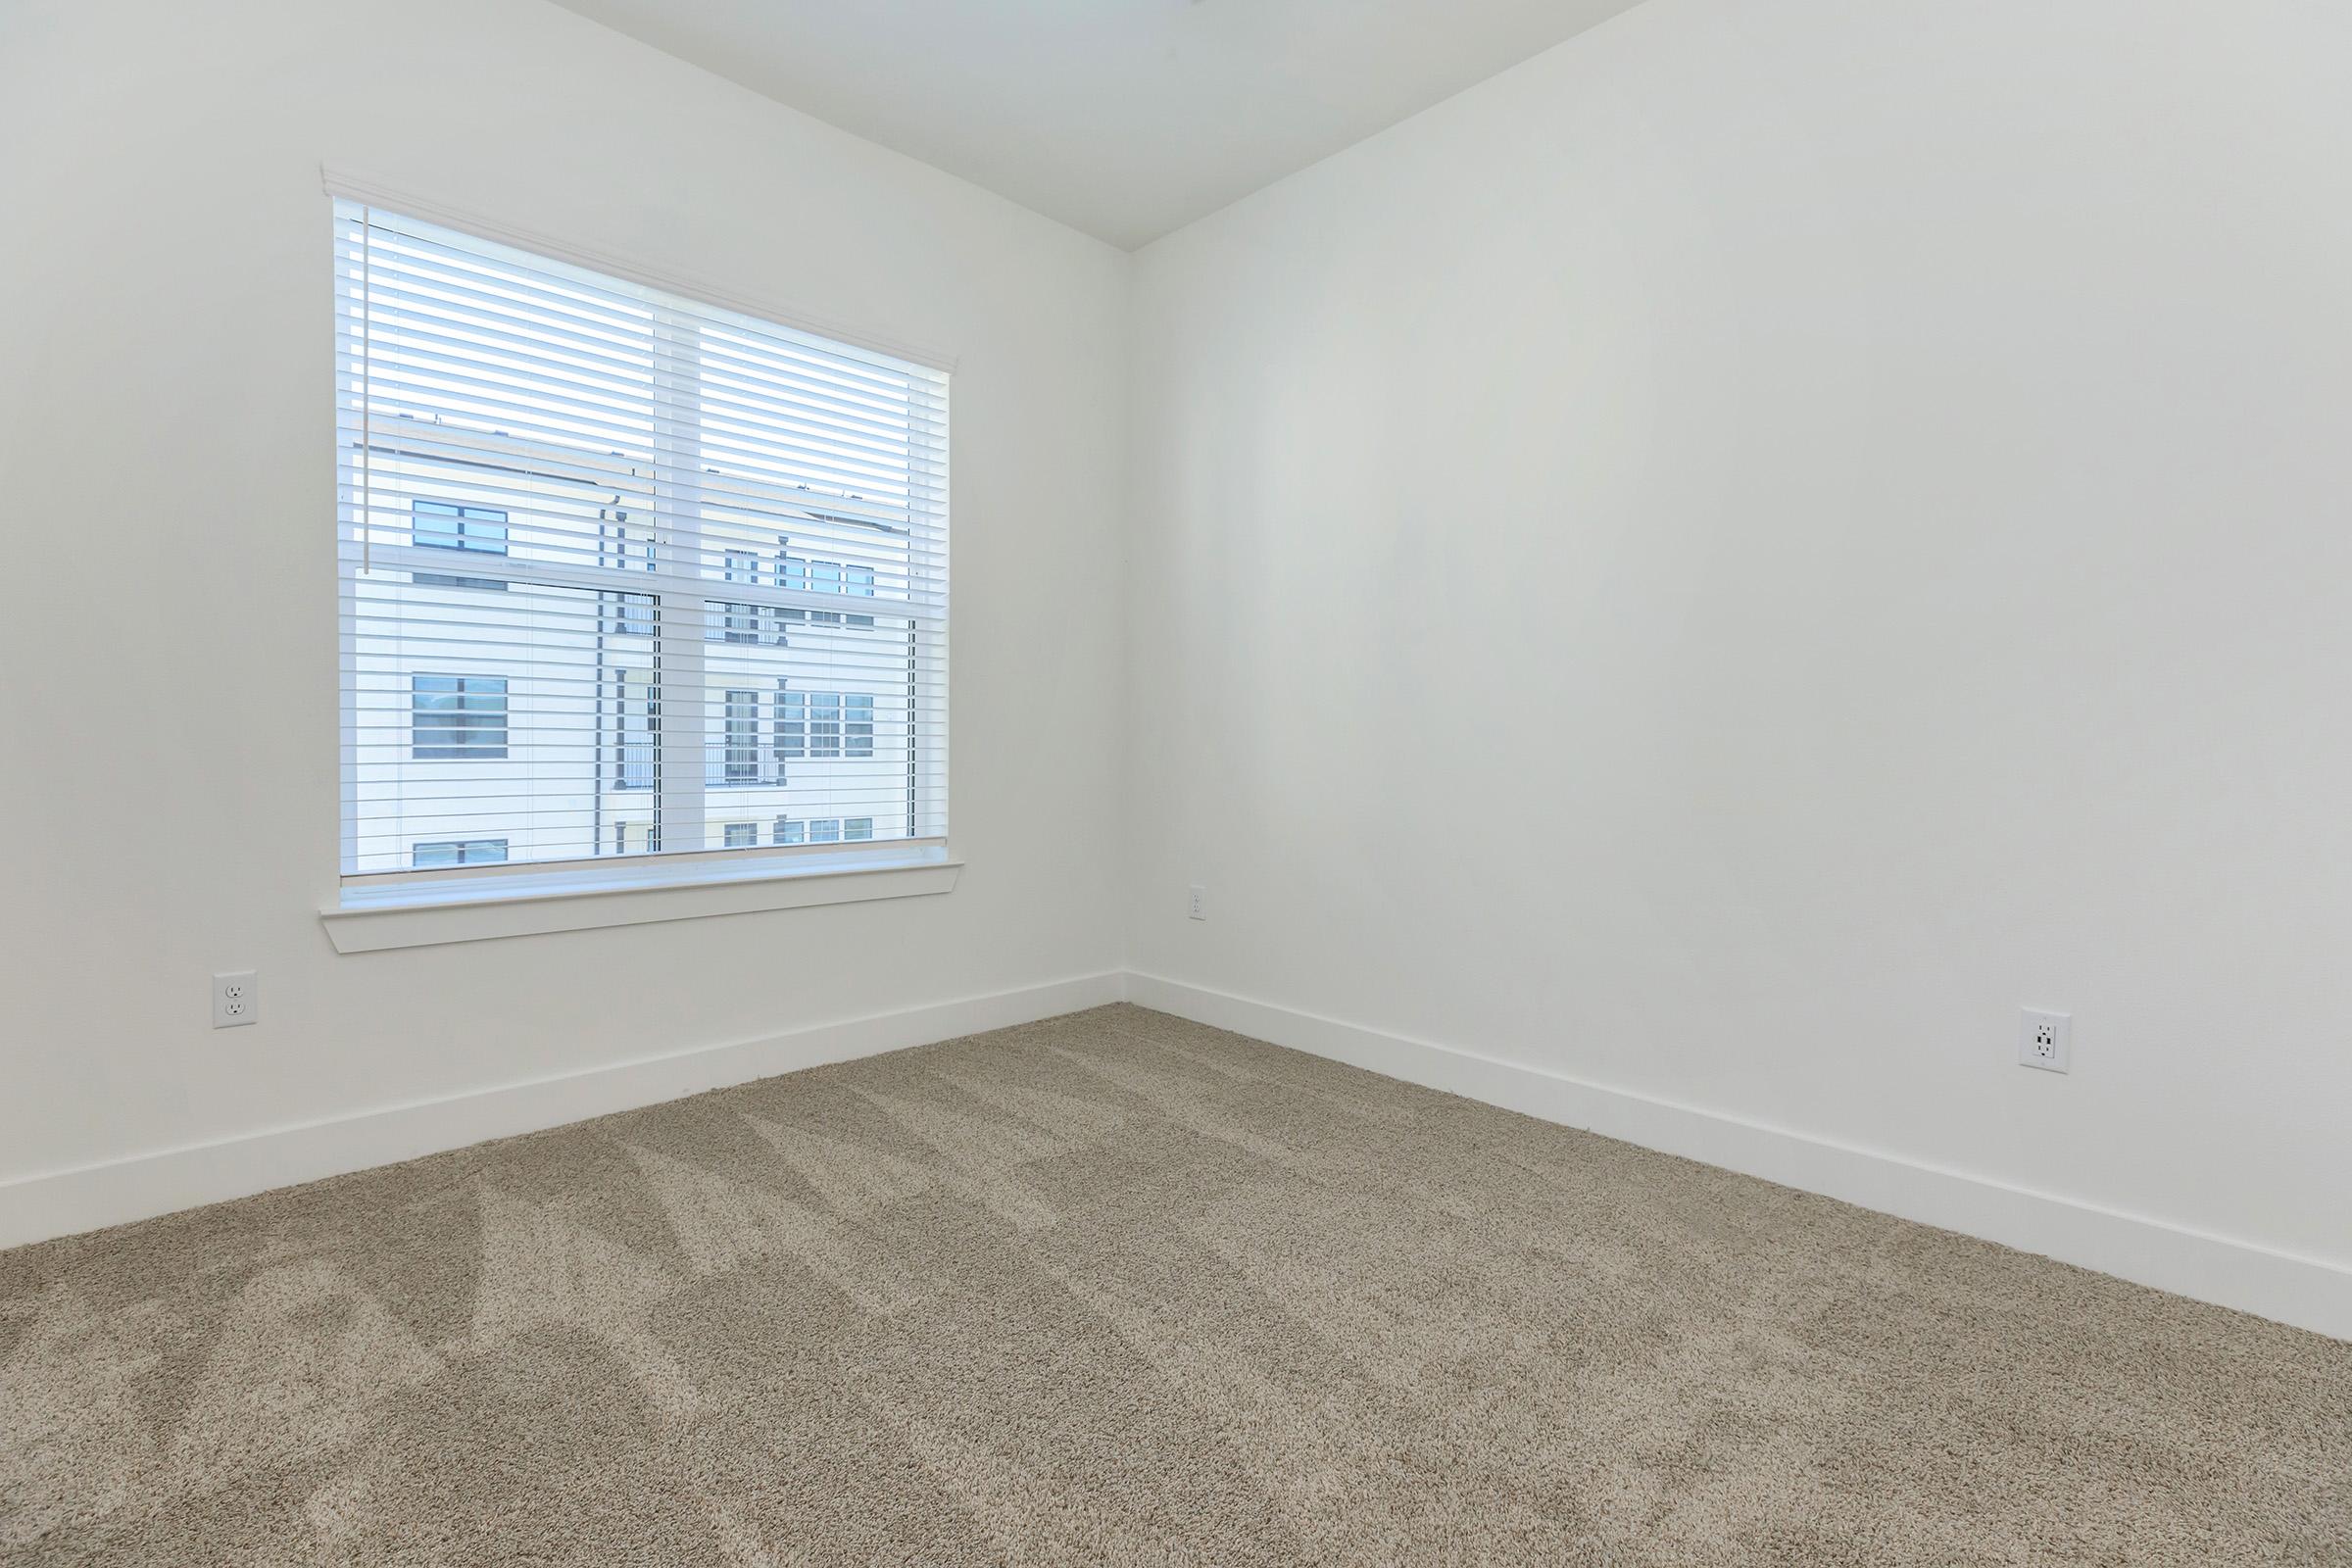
column 597, row 545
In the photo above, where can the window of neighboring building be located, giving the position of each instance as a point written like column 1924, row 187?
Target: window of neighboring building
column 622, row 548
column 742, row 759
column 806, row 576
column 824, row 723
column 742, row 621
column 458, row 851
column 742, row 835
column 628, row 614
column 633, row 738
column 458, row 718
column 446, row 526
column 792, row 726
column 824, row 830
column 825, row 577
column 858, row 724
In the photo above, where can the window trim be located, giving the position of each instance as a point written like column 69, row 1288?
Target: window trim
column 479, row 904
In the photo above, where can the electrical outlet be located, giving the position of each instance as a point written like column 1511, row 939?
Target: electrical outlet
column 1199, row 908
column 2045, row 1040
column 234, row 998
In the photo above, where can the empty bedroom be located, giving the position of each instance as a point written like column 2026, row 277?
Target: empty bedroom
column 1176, row 782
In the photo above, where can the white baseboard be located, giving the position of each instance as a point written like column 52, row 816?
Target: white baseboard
column 2306, row 1291
column 86, row 1198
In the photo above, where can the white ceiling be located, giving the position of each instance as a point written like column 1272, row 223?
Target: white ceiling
column 1122, row 118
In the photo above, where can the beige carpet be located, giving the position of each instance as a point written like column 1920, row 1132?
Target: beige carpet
column 1118, row 1289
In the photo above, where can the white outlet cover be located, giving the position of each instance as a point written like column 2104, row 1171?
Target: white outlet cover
column 2045, row 1040
column 1197, row 909
column 236, row 999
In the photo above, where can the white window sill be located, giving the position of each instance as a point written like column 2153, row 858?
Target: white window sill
column 374, row 917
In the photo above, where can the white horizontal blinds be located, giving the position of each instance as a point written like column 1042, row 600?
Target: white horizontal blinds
column 622, row 572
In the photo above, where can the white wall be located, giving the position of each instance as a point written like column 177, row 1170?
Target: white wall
column 1723, row 560
column 169, row 789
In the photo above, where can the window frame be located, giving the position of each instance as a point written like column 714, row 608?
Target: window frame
column 691, row 601
column 739, row 622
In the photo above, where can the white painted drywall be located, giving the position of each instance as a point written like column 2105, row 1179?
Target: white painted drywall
column 168, row 710
column 1725, row 559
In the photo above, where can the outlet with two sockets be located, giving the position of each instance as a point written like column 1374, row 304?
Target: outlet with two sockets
column 234, row 998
